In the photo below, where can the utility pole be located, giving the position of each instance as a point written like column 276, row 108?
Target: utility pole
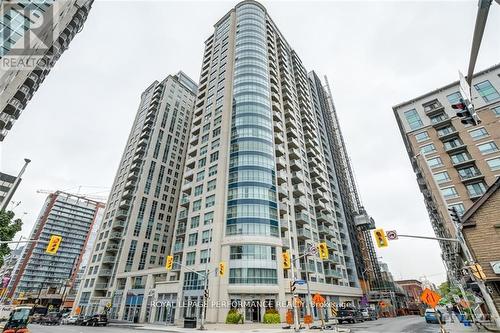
column 10, row 194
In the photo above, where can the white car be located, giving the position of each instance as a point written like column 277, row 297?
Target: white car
column 69, row 320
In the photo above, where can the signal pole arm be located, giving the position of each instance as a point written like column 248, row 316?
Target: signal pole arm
column 433, row 238
column 482, row 16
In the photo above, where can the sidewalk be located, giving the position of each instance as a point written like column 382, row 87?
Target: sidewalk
column 458, row 327
column 226, row 328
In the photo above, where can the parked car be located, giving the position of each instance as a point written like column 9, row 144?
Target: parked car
column 52, row 318
column 69, row 320
column 82, row 320
column 349, row 316
column 369, row 314
column 431, row 316
column 98, row 320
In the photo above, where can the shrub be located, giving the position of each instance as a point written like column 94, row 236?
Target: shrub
column 233, row 317
column 272, row 316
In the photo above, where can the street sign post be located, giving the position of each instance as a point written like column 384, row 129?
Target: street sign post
column 429, row 297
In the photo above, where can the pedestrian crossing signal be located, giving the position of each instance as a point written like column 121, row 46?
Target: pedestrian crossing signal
column 323, row 250
column 170, row 262
column 54, row 243
column 381, row 238
column 222, row 269
column 286, row 260
column 478, row 272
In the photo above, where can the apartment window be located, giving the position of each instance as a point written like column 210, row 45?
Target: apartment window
column 214, row 157
column 496, row 111
column 413, row 119
column 487, row 148
column 432, row 105
column 445, row 131
column 200, row 176
column 196, row 205
column 441, row 177
column 208, row 218
column 459, row 158
column 478, row 133
column 452, row 144
column 212, row 170
column 210, row 201
column 487, row 91
column 476, row 190
column 449, row 192
column 454, row 98
column 494, row 164
column 439, row 118
column 459, row 207
column 427, row 149
column 198, row 190
column 469, row 172
column 195, row 221
column 203, row 150
column 206, row 236
column 422, row 136
column 204, row 256
column 190, row 258
column 211, row 185
column 435, row 162
column 202, row 162
column 193, row 239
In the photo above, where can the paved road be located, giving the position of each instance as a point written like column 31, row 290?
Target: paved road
column 409, row 324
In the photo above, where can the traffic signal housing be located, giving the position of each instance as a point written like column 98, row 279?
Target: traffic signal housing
column 323, row 250
column 170, row 263
column 286, row 260
column 54, row 243
column 381, row 238
column 465, row 110
column 454, row 215
column 222, row 269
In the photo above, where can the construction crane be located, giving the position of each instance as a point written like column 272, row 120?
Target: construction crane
column 92, row 196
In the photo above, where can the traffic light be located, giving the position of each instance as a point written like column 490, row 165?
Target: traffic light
column 454, row 215
column 381, row 238
column 54, row 243
column 170, row 263
column 286, row 260
column 466, row 112
column 222, row 268
column 323, row 250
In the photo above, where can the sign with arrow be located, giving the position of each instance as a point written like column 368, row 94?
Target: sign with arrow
column 429, row 297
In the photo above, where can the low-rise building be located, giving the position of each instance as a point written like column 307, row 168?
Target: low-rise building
column 481, row 229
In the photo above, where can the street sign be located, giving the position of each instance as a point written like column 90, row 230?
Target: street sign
column 392, row 234
column 300, row 282
column 318, row 299
column 313, row 249
column 429, row 297
column 464, row 87
column 333, row 309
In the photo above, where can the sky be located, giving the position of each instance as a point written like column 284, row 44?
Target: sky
column 376, row 54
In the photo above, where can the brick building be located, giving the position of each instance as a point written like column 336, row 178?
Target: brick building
column 413, row 288
column 481, row 229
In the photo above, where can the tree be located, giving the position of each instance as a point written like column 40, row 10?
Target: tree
column 9, row 226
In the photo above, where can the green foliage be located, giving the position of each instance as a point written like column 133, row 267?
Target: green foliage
column 272, row 316
column 444, row 289
column 9, row 226
column 234, row 317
